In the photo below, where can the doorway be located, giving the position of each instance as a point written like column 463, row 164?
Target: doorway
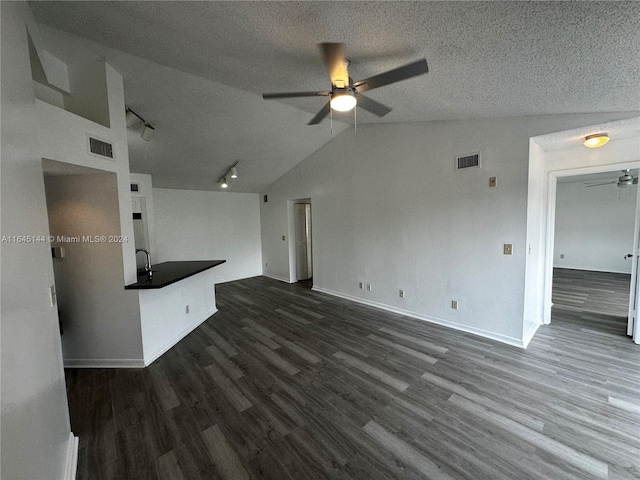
column 300, row 242
column 594, row 233
column 553, row 156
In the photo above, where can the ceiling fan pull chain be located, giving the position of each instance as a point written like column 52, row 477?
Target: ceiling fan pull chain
column 355, row 120
column 331, row 119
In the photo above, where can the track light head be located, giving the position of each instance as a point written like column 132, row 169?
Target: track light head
column 148, row 132
column 131, row 118
column 234, row 172
column 223, row 182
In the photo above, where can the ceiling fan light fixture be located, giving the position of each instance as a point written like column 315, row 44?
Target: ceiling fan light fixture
column 343, row 99
column 596, row 140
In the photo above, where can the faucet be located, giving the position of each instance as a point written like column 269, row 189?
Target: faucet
column 147, row 267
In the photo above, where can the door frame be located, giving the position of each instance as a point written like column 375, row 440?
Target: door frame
column 552, row 155
column 291, row 243
column 551, row 228
column 633, row 325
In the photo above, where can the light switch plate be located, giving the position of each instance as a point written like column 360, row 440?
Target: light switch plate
column 508, row 249
column 493, row 181
column 283, row 238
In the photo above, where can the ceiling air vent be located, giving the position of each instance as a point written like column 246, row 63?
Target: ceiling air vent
column 468, row 160
column 100, row 148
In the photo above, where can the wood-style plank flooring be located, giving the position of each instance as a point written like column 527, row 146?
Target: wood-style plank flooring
column 599, row 300
column 286, row 383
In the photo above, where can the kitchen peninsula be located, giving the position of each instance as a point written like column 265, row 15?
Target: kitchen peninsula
column 177, row 298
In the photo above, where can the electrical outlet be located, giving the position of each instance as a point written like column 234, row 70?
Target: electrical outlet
column 493, row 181
column 401, row 293
column 562, row 255
column 454, row 304
column 187, row 309
column 283, row 238
column 266, row 264
column 508, row 249
column 368, row 287
column 360, row 285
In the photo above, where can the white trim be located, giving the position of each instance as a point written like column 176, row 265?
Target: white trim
column 158, row 352
column 276, row 277
column 71, row 462
column 592, row 269
column 528, row 336
column 103, row 363
column 516, row 342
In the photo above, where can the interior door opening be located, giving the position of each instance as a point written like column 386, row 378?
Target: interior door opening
column 592, row 264
column 300, row 242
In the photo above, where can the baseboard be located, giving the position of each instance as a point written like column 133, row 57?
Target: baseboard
column 275, row 277
column 592, row 270
column 528, row 335
column 103, row 363
column 158, row 352
column 71, row 462
column 516, row 342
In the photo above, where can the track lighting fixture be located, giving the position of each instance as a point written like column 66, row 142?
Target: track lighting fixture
column 148, row 132
column 232, row 172
column 132, row 118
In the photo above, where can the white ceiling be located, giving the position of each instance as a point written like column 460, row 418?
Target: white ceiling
column 486, row 59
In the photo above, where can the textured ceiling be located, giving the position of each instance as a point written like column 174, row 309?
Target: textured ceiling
column 486, row 59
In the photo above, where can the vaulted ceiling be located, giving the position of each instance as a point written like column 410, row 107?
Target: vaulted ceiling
column 196, row 70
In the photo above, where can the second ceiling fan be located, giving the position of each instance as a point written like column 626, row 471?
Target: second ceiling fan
column 345, row 93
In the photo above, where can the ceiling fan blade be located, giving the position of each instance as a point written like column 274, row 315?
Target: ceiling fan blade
column 336, row 64
column 392, row 76
column 599, row 184
column 372, row 106
column 269, row 96
column 320, row 115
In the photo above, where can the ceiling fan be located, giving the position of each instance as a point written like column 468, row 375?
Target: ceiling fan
column 345, row 93
column 623, row 181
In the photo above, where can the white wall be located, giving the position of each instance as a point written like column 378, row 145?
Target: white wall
column 170, row 313
column 594, row 226
column 100, row 318
column 390, row 209
column 35, row 419
column 198, row 225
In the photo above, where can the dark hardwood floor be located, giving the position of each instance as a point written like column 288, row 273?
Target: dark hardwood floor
column 287, row 383
column 598, row 300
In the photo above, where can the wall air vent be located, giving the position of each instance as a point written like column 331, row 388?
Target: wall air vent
column 99, row 148
column 134, row 187
column 469, row 160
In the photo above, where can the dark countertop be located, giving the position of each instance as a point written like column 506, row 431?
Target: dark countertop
column 167, row 273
